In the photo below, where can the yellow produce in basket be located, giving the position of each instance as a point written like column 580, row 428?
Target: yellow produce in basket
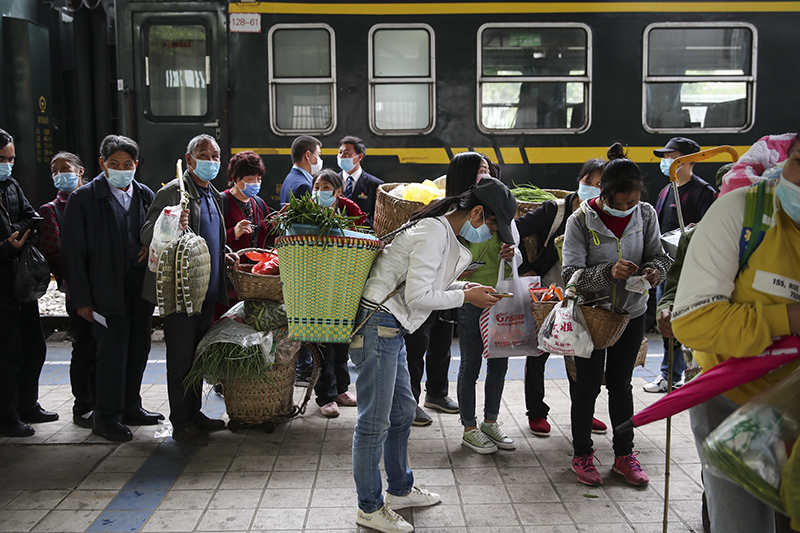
column 424, row 192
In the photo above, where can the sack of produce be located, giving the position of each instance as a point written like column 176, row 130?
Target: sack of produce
column 424, row 192
column 756, row 447
column 166, row 229
column 33, row 275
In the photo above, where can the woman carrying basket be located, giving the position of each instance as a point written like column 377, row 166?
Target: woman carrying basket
column 612, row 237
column 414, row 275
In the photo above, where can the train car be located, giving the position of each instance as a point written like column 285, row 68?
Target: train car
column 539, row 87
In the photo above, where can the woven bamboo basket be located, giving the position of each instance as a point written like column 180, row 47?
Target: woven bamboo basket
column 251, row 286
column 531, row 242
column 391, row 212
column 323, row 278
column 606, row 327
column 270, row 399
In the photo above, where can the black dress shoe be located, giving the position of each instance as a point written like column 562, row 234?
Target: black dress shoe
column 190, row 435
column 209, row 424
column 142, row 417
column 16, row 429
column 83, row 420
column 113, row 431
column 38, row 415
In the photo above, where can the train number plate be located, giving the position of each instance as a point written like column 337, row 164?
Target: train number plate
column 245, row 23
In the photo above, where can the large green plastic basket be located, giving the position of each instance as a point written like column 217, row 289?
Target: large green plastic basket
column 323, row 278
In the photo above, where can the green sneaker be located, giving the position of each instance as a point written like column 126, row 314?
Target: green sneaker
column 477, row 441
column 497, row 435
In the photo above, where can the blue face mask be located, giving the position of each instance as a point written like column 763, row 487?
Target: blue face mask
column 5, row 171
column 616, row 212
column 346, row 163
column 120, row 178
column 250, row 189
column 587, row 192
column 789, row 195
column 65, row 181
column 476, row 235
column 665, row 164
column 206, row 170
column 323, row 198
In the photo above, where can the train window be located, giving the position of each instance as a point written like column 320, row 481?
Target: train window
column 401, row 79
column 534, row 78
column 699, row 77
column 177, row 70
column 301, row 76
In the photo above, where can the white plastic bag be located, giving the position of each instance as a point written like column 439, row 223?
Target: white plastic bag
column 508, row 328
column 637, row 284
column 166, row 229
column 564, row 331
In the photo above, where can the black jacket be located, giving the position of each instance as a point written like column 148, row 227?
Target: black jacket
column 364, row 193
column 92, row 248
column 15, row 212
column 538, row 222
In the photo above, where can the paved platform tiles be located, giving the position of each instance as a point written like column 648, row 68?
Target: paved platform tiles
column 299, row 477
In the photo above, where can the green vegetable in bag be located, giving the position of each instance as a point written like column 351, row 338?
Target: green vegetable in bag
column 264, row 315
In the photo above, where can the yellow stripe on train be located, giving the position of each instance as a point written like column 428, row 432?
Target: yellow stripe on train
column 510, row 155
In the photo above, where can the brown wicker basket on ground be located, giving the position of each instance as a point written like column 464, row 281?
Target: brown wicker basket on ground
column 271, row 399
column 391, row 212
column 531, row 243
column 251, row 286
column 606, row 327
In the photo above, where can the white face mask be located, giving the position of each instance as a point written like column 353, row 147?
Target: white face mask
column 316, row 167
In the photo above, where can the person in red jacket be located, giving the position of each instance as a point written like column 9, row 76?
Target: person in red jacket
column 326, row 190
column 246, row 215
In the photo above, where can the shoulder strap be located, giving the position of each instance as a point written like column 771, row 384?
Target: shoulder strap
column 758, row 204
column 561, row 214
column 262, row 205
column 224, row 200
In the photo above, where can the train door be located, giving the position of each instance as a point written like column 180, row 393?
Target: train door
column 180, row 76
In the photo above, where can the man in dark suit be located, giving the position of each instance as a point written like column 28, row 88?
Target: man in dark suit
column 307, row 161
column 359, row 186
column 104, row 267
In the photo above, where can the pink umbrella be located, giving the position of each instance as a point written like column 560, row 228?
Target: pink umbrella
column 721, row 378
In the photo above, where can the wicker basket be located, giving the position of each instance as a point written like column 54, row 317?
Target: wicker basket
column 531, row 242
column 391, row 212
column 271, row 399
column 606, row 327
column 251, row 286
column 323, row 278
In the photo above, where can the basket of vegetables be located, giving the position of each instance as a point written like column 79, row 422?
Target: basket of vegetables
column 391, row 212
column 323, row 275
column 260, row 280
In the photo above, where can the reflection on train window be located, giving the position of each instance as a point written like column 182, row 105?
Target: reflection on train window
column 534, row 78
column 401, row 79
column 699, row 77
column 302, row 73
column 177, row 70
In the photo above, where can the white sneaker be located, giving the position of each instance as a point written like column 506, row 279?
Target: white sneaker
column 658, row 385
column 416, row 498
column 384, row 519
column 498, row 436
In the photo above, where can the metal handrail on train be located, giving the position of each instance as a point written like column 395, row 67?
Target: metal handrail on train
column 691, row 158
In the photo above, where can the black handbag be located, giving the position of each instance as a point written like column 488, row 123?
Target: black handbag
column 33, row 275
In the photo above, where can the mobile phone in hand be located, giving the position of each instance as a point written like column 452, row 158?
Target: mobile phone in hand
column 501, row 294
column 32, row 224
column 474, row 266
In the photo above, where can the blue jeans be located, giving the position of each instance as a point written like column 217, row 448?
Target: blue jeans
column 678, row 362
column 386, row 409
column 471, row 345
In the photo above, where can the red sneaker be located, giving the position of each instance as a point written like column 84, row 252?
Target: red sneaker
column 583, row 465
column 629, row 466
column 539, row 426
column 598, row 426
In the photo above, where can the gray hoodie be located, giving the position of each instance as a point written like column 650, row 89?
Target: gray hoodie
column 590, row 245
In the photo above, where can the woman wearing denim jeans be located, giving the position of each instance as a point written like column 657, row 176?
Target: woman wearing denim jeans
column 414, row 275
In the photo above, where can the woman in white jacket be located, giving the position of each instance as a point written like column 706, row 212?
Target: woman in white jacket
column 414, row 275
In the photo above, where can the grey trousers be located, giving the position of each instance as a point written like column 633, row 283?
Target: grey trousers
column 731, row 508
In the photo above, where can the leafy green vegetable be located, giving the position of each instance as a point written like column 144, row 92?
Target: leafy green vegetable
column 531, row 193
column 264, row 315
column 304, row 210
column 228, row 361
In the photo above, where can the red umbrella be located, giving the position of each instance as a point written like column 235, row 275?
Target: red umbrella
column 723, row 377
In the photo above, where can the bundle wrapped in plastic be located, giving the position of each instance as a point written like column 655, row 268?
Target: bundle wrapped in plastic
column 755, row 447
column 424, row 192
